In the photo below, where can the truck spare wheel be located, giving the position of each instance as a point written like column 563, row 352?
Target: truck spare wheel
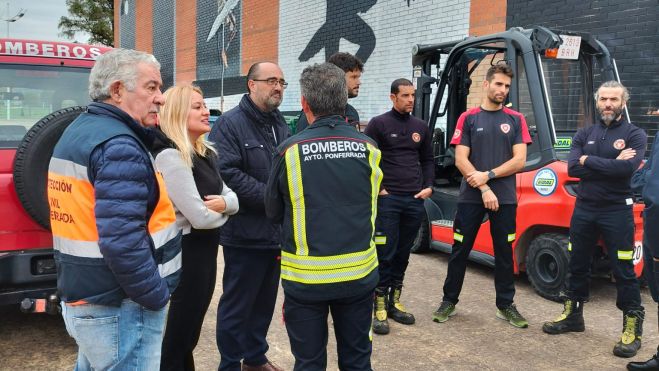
column 32, row 158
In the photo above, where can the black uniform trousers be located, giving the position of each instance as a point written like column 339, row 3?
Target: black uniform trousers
column 398, row 220
column 306, row 324
column 190, row 300
column 468, row 220
column 617, row 229
column 250, row 283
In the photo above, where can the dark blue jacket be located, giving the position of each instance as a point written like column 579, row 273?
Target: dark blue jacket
column 246, row 140
column 604, row 180
column 126, row 193
column 646, row 181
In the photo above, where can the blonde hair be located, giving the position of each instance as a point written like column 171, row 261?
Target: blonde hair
column 174, row 122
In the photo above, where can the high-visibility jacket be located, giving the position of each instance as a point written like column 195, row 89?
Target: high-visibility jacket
column 114, row 227
column 324, row 186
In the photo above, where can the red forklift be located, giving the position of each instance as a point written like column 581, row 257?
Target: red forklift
column 556, row 75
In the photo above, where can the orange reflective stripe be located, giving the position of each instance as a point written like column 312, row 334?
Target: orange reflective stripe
column 71, row 202
column 163, row 215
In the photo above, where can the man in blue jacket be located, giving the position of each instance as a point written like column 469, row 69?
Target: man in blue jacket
column 604, row 156
column 116, row 243
column 246, row 138
column 646, row 181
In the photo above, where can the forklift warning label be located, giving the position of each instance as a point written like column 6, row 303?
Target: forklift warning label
column 545, row 182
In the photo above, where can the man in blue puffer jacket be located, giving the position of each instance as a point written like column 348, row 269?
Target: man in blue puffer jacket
column 116, row 243
column 246, row 138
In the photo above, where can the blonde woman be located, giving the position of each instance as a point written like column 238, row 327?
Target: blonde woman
column 203, row 203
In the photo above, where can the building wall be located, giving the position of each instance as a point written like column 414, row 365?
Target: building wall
column 163, row 40
column 381, row 32
column 629, row 29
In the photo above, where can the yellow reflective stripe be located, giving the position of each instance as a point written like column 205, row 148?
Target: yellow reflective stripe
column 457, row 236
column 83, row 249
column 380, row 240
column 329, row 276
column 374, row 156
column 511, row 237
column 569, row 246
column 625, row 254
column 163, row 236
column 296, row 192
column 171, row 266
column 328, row 262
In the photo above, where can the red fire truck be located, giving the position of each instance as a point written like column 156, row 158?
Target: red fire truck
column 43, row 86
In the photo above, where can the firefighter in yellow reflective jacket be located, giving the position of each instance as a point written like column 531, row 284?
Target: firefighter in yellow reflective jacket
column 324, row 186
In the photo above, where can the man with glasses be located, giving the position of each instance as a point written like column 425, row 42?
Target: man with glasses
column 246, row 138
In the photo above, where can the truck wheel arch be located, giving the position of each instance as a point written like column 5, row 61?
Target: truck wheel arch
column 32, row 159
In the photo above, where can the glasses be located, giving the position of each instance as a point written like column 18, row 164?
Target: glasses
column 273, row 81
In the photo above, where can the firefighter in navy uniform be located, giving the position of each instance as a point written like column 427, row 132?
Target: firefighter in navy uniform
column 324, row 187
column 604, row 156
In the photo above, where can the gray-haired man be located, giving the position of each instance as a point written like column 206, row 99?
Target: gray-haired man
column 118, row 250
column 324, row 186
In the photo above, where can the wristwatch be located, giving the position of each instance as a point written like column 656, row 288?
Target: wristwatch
column 491, row 175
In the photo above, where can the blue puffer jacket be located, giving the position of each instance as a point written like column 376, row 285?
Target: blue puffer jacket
column 246, row 140
column 126, row 194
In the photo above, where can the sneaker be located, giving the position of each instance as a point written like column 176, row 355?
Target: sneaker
column 513, row 317
column 446, row 309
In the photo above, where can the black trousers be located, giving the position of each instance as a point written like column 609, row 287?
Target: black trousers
column 398, row 221
column 465, row 228
column 617, row 230
column 190, row 300
column 306, row 324
column 250, row 283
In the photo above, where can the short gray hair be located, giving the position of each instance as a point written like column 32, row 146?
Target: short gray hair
column 613, row 84
column 324, row 87
column 117, row 65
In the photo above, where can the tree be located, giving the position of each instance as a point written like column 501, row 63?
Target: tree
column 96, row 17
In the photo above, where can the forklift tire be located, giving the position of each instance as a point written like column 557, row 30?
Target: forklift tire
column 32, row 160
column 422, row 241
column 547, row 262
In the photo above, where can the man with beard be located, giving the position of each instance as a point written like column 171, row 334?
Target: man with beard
column 408, row 166
column 353, row 68
column 604, row 156
column 246, row 138
column 490, row 148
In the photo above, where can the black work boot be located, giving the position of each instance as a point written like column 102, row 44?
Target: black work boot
column 380, row 323
column 651, row 364
column 632, row 329
column 571, row 320
column 397, row 310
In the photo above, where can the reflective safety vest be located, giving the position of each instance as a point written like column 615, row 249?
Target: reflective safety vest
column 73, row 222
column 329, row 179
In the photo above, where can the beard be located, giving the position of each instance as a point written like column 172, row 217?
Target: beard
column 608, row 118
column 273, row 101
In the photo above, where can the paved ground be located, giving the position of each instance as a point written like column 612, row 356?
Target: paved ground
column 472, row 340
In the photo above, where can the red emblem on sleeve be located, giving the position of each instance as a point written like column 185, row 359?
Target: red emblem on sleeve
column 416, row 137
column 505, row 128
column 619, row 144
column 457, row 133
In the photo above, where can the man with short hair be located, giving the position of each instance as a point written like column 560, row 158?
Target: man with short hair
column 604, row 156
column 246, row 138
column 353, row 68
column 490, row 148
column 324, row 187
column 118, row 251
column 409, row 172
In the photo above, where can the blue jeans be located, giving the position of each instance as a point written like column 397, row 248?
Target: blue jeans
column 128, row 337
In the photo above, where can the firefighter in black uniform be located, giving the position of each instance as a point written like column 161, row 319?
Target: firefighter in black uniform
column 324, row 187
column 604, row 156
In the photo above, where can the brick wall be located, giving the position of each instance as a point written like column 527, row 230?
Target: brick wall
column 144, row 25
column 260, row 32
column 487, row 17
column 396, row 27
column 186, row 49
column 629, row 29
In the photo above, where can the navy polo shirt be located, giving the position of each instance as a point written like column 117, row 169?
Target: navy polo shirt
column 490, row 135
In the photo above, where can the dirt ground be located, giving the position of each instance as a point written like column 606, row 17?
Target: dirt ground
column 472, row 340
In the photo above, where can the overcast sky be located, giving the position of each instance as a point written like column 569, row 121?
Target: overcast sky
column 40, row 20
